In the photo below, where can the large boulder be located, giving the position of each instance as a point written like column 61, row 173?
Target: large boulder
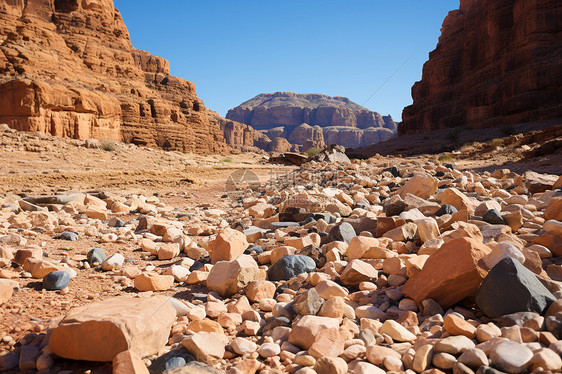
column 229, row 277
column 450, row 274
column 100, row 331
column 510, row 288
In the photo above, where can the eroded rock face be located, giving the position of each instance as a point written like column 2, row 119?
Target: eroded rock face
column 496, row 63
column 67, row 68
column 314, row 120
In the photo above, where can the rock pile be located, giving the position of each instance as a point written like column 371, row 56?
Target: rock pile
column 359, row 267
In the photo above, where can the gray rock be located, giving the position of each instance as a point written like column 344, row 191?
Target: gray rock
column 289, row 266
column 56, row 280
column 96, row 256
column 493, row 217
column 68, row 235
column 309, row 303
column 195, row 367
column 173, row 359
column 515, row 319
column 510, row 288
column 446, row 209
column 52, row 199
column 343, row 232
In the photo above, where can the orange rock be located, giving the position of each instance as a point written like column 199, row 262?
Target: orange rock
column 357, row 271
column 328, row 343
column 205, row 325
column 7, row 289
column 554, row 209
column 100, row 331
column 228, row 245
column 421, row 185
column 128, row 362
column 459, row 200
column 229, row 277
column 258, row 290
column 455, row 325
column 450, row 274
column 153, row 282
column 305, row 331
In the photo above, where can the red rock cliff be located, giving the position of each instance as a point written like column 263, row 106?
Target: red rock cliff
column 497, row 62
column 67, row 68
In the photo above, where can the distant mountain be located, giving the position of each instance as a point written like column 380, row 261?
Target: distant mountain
column 314, row 119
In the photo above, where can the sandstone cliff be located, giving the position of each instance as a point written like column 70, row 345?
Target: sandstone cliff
column 314, row 119
column 497, row 62
column 67, row 68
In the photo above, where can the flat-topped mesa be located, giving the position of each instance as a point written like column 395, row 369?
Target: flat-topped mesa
column 314, row 119
column 67, row 68
column 498, row 62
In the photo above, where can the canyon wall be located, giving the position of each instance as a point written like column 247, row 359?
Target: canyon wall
column 498, row 62
column 67, row 68
column 314, row 120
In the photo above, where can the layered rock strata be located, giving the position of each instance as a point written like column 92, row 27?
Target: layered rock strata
column 498, row 62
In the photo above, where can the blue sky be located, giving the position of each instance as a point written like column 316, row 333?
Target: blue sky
column 234, row 50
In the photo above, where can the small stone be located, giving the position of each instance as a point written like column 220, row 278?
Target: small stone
column 68, row 235
column 288, row 267
column 343, row 232
column 113, row 262
column 153, row 282
column 56, row 280
column 376, row 354
column 308, row 303
column 207, row 347
column 96, row 256
column 259, row 290
column 396, row 331
column 546, row 359
column 304, row 332
column 331, row 365
column 445, row 361
column 474, row 358
column 243, row 346
column 456, row 325
column 493, row 217
column 454, row 344
column 269, row 350
column 228, row 245
column 357, row 271
column 422, row 358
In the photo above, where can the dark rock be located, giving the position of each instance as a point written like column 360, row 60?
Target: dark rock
column 493, row 217
column 253, row 249
column 314, row 253
column 553, row 325
column 96, row 256
column 515, row 319
column 294, row 214
column 367, row 335
column 289, row 266
column 327, row 217
column 394, row 206
column 309, row 303
column 439, row 174
column 116, row 222
column 450, row 166
column 173, row 359
column 277, row 225
column 509, row 288
column 275, row 322
column 363, row 224
column 306, row 220
column 68, row 235
column 394, row 171
column 56, row 280
column 446, row 209
column 343, row 232
column 196, row 266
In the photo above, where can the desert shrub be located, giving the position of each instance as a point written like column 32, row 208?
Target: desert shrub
column 446, row 157
column 497, row 143
column 108, row 146
column 311, row 152
column 227, row 160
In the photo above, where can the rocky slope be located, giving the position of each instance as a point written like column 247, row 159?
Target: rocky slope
column 68, row 68
column 314, row 119
column 497, row 62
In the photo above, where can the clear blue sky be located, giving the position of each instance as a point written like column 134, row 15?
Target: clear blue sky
column 234, row 50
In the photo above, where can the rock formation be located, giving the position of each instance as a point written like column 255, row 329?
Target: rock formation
column 67, row 68
column 314, row 119
column 497, row 62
